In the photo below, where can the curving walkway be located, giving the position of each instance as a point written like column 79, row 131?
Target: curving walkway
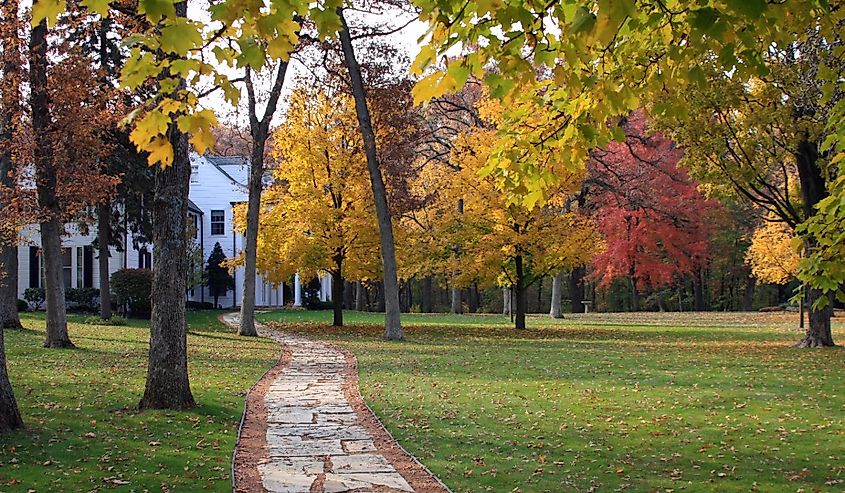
column 315, row 441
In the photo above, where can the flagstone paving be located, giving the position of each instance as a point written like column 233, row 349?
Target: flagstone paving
column 314, row 439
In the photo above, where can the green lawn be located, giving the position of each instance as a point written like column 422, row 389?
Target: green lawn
column 82, row 430
column 605, row 402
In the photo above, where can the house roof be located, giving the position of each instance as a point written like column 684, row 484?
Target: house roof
column 194, row 207
column 235, row 168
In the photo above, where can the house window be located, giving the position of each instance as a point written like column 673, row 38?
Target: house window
column 67, row 267
column 80, row 263
column 195, row 173
column 218, row 221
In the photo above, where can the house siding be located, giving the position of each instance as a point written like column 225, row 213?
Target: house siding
column 213, row 187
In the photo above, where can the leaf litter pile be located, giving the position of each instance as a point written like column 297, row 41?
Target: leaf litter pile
column 605, row 402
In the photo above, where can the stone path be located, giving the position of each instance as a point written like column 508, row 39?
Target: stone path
column 314, row 439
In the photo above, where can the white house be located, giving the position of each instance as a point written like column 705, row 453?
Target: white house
column 217, row 185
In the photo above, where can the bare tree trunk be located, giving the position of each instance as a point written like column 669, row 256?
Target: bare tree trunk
column 348, row 295
column 45, row 178
column 9, row 286
column 697, row 292
column 337, row 293
column 748, row 298
column 103, row 235
column 360, row 297
column 392, row 315
column 506, row 301
column 259, row 131
column 473, row 298
column 576, row 289
column 635, row 296
column 256, row 173
column 557, row 293
column 167, row 371
column 10, row 416
column 521, row 301
column 457, row 306
column 9, row 109
column 425, row 305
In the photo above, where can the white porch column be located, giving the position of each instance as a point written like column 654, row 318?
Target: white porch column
column 297, row 291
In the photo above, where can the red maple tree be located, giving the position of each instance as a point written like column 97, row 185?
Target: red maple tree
column 651, row 214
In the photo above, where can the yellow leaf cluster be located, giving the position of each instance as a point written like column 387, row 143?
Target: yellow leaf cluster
column 319, row 216
column 772, row 255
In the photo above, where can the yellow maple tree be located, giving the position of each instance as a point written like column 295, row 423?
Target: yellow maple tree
column 496, row 241
column 319, row 217
column 772, row 255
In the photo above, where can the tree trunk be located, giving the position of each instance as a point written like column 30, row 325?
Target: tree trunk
column 576, row 289
column 256, row 173
column 697, row 293
column 635, row 296
column 813, row 190
column 259, row 131
column 167, row 371
column 425, row 305
column 360, row 297
column 818, row 330
column 456, row 305
column 392, row 316
column 337, row 294
column 506, row 301
column 473, row 298
column 380, row 297
column 521, row 299
column 539, row 296
column 10, row 416
column 103, row 235
column 9, row 317
column 348, row 295
column 557, row 293
column 45, row 179
column 748, row 297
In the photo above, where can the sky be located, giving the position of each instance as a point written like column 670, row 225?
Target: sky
column 405, row 39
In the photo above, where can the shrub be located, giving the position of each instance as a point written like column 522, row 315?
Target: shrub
column 22, row 305
column 199, row 305
column 84, row 299
column 35, row 297
column 132, row 289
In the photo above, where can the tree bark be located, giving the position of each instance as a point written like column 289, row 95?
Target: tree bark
column 473, row 298
column 392, row 315
column 9, row 286
column 557, row 293
column 256, row 173
column 813, row 190
column 259, row 131
column 103, row 235
column 748, row 297
column 167, row 384
column 576, row 289
column 506, row 301
column 337, row 294
column 521, row 300
column 635, row 296
column 10, row 416
column 348, row 295
column 9, row 317
column 45, row 179
column 697, row 293
column 425, row 305
column 360, row 297
column 456, row 305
